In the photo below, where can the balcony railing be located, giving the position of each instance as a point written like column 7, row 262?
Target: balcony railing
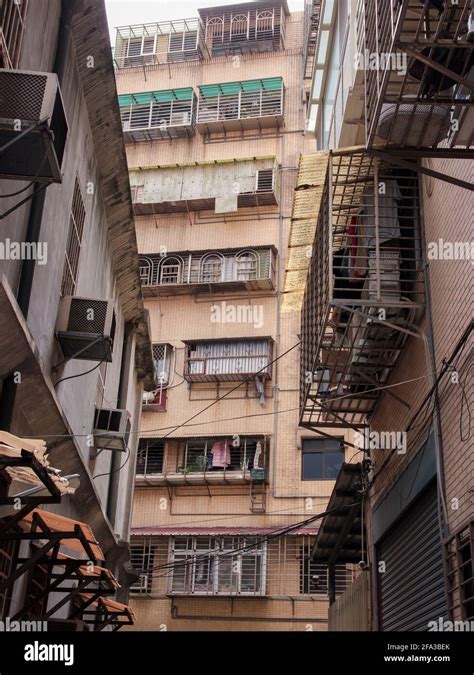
column 155, row 43
column 153, row 115
column 177, row 273
column 196, row 461
column 245, row 29
column 223, row 187
column 233, row 106
column 417, row 62
column 228, row 361
column 365, row 287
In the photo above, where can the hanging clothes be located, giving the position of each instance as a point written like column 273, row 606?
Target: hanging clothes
column 358, row 249
column 258, row 457
column 220, row 455
column 389, row 224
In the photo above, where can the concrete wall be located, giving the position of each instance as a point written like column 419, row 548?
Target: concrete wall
column 79, row 396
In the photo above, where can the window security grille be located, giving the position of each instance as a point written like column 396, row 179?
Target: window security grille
column 142, row 556
column 12, row 26
column 195, row 456
column 74, row 241
column 161, row 360
column 314, row 576
column 150, row 456
column 206, row 566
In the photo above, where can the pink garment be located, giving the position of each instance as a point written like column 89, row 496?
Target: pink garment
column 220, row 455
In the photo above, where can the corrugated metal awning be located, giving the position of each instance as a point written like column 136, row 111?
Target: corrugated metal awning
column 216, row 531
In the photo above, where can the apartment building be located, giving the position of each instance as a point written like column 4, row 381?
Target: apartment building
column 75, row 344
column 228, row 487
column 387, row 324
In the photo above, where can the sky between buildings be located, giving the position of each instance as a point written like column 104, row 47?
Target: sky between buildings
column 126, row 12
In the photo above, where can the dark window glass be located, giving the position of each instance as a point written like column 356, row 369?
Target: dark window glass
column 322, row 459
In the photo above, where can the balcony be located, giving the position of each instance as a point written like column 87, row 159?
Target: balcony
column 237, row 106
column 420, row 82
column 156, row 43
column 228, row 360
column 231, row 30
column 219, row 186
column 365, row 287
column 202, row 461
column 154, row 115
column 208, row 271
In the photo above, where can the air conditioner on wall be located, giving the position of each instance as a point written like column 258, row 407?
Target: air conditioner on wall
column 111, row 429
column 85, row 328
column 28, row 99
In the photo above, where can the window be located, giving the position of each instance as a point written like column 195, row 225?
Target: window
column 247, row 266
column 12, row 26
column 74, row 241
column 218, row 454
column 211, row 268
column 150, row 456
column 314, row 575
column 142, row 557
column 239, row 27
column 322, row 458
column 161, row 360
column 171, row 271
column 208, row 566
column 215, row 30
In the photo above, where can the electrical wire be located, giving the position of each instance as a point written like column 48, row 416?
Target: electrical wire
column 72, row 377
column 110, row 473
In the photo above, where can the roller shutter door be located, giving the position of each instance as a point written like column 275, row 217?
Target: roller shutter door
column 412, row 590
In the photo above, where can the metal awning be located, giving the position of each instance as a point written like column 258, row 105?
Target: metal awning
column 339, row 539
column 246, row 86
column 217, row 531
column 160, row 96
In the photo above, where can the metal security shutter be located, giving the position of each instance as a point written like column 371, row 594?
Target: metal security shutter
column 412, row 587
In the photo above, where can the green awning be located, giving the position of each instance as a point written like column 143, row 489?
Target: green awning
column 163, row 96
column 247, row 86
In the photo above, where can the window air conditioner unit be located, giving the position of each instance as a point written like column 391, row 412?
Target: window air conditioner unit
column 85, row 328
column 111, row 429
column 26, row 99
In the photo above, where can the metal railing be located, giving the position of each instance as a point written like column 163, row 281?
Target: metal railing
column 156, row 43
column 158, row 119
column 365, row 287
column 240, row 106
column 12, row 26
column 209, row 267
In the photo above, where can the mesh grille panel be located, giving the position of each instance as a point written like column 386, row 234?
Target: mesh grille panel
column 87, row 316
column 21, row 95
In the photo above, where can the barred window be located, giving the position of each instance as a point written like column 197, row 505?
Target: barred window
column 12, row 27
column 74, row 241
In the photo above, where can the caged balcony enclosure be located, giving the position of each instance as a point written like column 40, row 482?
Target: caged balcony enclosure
column 421, row 92
column 235, row 459
column 177, row 273
column 154, row 43
column 230, row 561
column 365, row 287
column 228, row 360
column 153, row 115
column 235, row 106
